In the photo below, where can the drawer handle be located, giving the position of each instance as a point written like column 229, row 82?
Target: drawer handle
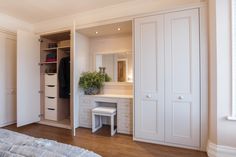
column 51, row 97
column 50, row 74
column 51, row 85
column 52, row 109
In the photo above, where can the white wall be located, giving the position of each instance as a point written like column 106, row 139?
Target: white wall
column 222, row 131
column 212, row 74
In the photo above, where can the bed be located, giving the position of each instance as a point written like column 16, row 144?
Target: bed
column 14, row 144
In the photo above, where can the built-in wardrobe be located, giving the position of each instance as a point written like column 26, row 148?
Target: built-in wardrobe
column 45, row 79
column 168, row 79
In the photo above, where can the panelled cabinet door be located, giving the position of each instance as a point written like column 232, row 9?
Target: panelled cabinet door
column 28, row 78
column 182, row 80
column 149, row 78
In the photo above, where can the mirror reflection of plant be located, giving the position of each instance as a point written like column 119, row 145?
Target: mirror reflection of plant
column 107, row 77
column 94, row 80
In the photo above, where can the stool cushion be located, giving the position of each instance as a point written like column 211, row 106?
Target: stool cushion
column 106, row 110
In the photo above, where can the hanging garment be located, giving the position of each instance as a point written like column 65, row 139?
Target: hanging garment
column 64, row 78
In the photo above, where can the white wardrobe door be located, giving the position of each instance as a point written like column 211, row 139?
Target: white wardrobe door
column 11, row 79
column 7, row 79
column 28, row 78
column 149, row 78
column 182, row 86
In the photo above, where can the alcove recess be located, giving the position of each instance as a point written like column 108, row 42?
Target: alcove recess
column 57, row 46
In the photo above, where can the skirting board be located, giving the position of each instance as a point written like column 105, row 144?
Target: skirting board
column 214, row 150
column 165, row 144
column 6, row 124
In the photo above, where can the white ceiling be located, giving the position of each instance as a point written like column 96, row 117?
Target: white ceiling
column 34, row 11
column 110, row 29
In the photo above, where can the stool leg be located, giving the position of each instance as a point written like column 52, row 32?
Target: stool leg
column 112, row 125
column 100, row 122
column 93, row 123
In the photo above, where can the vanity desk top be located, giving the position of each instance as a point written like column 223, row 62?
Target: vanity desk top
column 114, row 96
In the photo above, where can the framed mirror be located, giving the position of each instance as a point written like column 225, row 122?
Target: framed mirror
column 119, row 66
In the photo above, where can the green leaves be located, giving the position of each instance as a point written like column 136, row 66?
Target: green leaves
column 93, row 80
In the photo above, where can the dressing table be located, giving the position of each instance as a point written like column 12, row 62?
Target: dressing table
column 124, row 104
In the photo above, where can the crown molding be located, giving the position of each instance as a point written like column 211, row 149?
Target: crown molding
column 116, row 13
column 11, row 24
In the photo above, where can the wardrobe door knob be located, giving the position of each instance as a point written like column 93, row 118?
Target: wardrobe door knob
column 148, row 96
column 181, row 97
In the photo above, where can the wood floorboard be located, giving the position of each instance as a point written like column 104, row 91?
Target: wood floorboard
column 101, row 143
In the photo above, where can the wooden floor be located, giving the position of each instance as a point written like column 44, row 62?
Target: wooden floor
column 101, row 143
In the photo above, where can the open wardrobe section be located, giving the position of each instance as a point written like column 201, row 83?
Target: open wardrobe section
column 45, row 74
column 55, row 78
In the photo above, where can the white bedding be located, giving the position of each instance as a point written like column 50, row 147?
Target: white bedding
column 14, row 144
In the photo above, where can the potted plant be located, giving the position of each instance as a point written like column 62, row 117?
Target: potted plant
column 92, row 82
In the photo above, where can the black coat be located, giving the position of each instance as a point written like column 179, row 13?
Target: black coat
column 64, row 78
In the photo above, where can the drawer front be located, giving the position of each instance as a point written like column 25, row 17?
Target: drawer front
column 85, row 121
column 107, row 100
column 51, row 91
column 128, row 101
column 85, row 125
column 86, row 114
column 85, row 101
column 51, row 114
column 85, row 111
column 125, row 122
column 125, row 105
column 129, row 132
column 125, row 111
column 124, row 118
column 50, row 79
column 51, row 102
column 124, row 128
column 86, row 106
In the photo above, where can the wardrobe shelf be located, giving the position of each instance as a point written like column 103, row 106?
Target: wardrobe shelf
column 50, row 49
column 49, row 73
column 64, row 48
column 48, row 62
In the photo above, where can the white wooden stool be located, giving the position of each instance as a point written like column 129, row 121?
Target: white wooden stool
column 103, row 111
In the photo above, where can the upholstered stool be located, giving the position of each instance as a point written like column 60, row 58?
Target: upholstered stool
column 103, row 111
